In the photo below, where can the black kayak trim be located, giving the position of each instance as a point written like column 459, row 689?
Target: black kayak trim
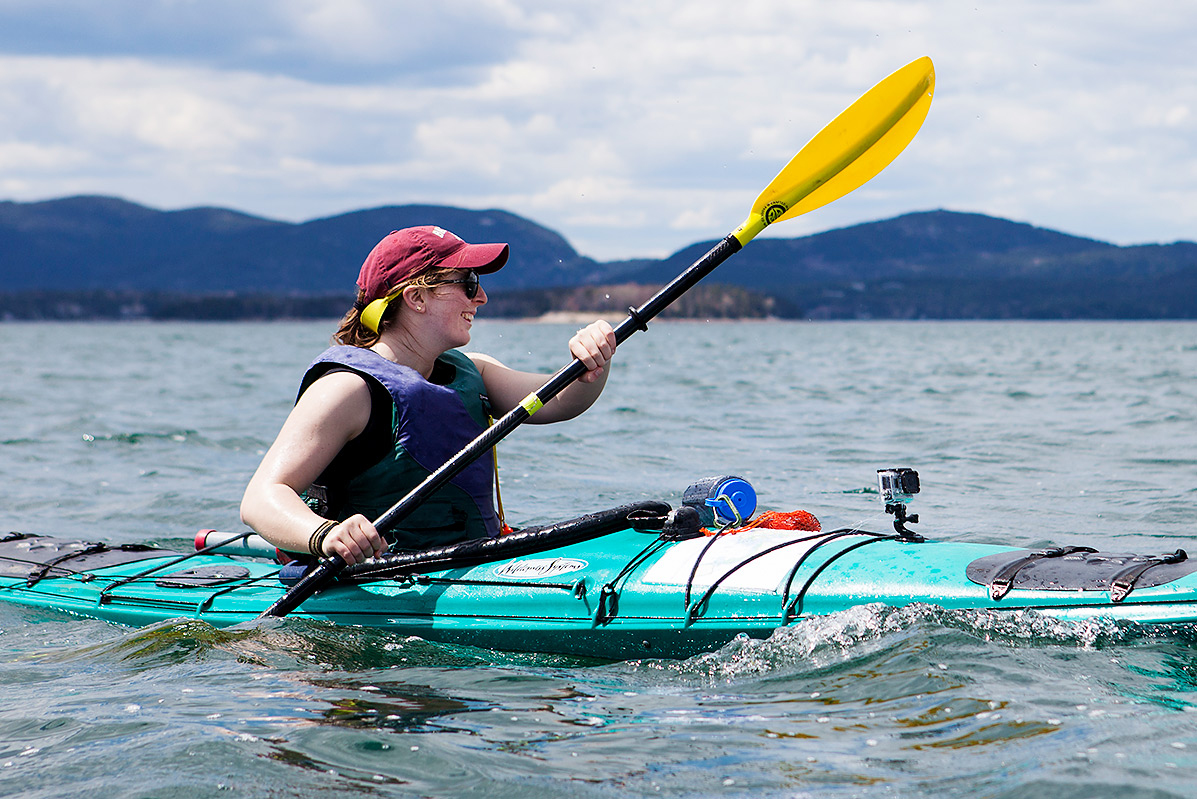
column 36, row 558
column 1077, row 568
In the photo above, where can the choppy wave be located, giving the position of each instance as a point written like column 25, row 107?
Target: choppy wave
column 828, row 642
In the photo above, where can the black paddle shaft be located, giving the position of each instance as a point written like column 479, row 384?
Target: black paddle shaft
column 328, row 569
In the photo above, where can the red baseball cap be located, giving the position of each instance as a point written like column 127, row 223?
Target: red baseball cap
column 407, row 252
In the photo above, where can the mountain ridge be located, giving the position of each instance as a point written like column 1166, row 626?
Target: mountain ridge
column 926, row 264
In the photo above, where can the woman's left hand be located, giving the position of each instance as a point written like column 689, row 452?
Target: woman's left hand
column 593, row 345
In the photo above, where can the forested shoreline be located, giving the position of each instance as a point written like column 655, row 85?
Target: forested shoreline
column 713, row 301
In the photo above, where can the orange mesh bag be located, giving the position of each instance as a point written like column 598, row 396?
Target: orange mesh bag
column 781, row 520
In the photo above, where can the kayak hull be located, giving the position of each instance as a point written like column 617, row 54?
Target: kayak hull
column 623, row 595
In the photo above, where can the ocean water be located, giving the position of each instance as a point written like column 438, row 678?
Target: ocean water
column 1028, row 433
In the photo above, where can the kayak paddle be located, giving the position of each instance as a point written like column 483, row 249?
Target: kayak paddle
column 850, row 150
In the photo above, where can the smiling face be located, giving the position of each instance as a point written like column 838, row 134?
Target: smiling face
column 429, row 316
column 451, row 309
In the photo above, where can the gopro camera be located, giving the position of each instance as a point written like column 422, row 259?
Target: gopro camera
column 898, row 485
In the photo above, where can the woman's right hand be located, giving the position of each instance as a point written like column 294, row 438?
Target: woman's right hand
column 354, row 540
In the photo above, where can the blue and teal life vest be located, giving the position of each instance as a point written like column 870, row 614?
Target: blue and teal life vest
column 430, row 422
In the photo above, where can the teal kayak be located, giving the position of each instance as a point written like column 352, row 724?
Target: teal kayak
column 626, row 583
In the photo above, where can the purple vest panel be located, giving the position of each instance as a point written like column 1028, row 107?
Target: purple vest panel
column 433, row 422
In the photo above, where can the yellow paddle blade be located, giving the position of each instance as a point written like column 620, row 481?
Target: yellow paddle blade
column 846, row 154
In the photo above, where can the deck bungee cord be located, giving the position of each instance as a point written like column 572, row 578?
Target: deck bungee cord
column 93, row 553
column 608, row 599
column 793, row 610
column 168, row 564
column 98, row 555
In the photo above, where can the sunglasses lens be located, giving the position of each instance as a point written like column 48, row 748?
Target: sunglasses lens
column 469, row 284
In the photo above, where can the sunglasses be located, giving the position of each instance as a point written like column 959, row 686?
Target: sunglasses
column 469, row 284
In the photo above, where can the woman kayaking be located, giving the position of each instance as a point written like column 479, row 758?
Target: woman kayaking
column 393, row 399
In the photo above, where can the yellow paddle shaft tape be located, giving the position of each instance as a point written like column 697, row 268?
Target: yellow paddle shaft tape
column 531, row 403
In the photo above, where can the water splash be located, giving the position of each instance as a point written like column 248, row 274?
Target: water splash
column 832, row 641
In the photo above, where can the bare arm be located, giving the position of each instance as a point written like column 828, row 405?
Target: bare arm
column 334, row 410
column 593, row 345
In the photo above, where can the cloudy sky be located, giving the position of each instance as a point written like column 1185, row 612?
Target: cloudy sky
column 632, row 128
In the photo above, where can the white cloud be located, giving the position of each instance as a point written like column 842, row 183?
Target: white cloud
column 633, row 128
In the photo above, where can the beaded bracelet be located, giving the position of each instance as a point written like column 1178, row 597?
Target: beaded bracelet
column 316, row 542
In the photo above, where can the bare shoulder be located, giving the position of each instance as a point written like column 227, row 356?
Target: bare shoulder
column 484, row 361
column 339, row 400
column 338, row 385
column 494, row 372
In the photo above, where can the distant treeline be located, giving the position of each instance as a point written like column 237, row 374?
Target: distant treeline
column 702, row 302
column 705, row 301
column 141, row 305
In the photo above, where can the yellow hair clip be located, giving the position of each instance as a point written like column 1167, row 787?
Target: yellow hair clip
column 371, row 315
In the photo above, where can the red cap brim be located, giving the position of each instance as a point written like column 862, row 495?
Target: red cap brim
column 482, row 258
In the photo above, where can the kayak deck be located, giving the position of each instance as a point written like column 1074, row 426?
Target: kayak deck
column 625, row 594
